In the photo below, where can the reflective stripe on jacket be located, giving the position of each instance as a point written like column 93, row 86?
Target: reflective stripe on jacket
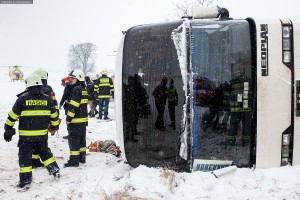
column 77, row 109
column 104, row 87
column 35, row 112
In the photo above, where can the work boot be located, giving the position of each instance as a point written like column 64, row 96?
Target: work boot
column 23, row 186
column 65, row 137
column 82, row 158
column 106, row 118
column 68, row 164
column 55, row 172
column 99, row 117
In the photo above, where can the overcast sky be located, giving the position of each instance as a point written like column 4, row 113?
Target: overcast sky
column 40, row 35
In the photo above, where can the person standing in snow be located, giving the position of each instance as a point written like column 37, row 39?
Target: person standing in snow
column 44, row 75
column 160, row 94
column 35, row 111
column 77, row 119
column 65, row 99
column 47, row 89
column 172, row 102
column 104, row 87
column 90, row 90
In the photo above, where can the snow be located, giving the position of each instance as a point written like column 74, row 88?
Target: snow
column 105, row 176
column 180, row 41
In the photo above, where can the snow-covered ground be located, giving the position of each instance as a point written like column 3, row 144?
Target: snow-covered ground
column 105, row 176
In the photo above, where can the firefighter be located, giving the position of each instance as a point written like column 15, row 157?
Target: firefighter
column 172, row 102
column 47, row 89
column 44, row 75
column 160, row 94
column 240, row 108
column 91, row 98
column 35, row 112
column 77, row 119
column 96, row 101
column 65, row 99
column 104, row 88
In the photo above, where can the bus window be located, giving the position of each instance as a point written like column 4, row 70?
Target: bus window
column 223, row 91
column 152, row 110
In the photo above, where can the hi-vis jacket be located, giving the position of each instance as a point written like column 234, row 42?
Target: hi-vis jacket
column 239, row 95
column 77, row 110
column 35, row 112
column 103, row 87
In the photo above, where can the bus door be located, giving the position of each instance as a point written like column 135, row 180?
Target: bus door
column 223, row 90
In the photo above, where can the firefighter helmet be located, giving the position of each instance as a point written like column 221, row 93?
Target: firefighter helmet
column 104, row 72
column 78, row 74
column 94, row 78
column 42, row 73
column 33, row 80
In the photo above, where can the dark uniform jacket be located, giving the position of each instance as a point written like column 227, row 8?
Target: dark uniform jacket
column 52, row 95
column 65, row 99
column 35, row 112
column 104, row 87
column 90, row 88
column 77, row 110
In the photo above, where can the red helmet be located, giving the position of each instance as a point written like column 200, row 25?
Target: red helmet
column 65, row 80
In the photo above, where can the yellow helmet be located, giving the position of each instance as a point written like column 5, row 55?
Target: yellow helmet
column 94, row 78
column 104, row 72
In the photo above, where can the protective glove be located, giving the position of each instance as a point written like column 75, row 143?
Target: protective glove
column 8, row 134
column 112, row 95
column 59, row 107
column 52, row 129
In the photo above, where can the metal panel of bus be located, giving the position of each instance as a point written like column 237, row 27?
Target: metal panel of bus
column 273, row 94
column 296, row 137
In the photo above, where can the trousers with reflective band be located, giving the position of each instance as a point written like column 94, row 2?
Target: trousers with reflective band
column 26, row 150
column 77, row 144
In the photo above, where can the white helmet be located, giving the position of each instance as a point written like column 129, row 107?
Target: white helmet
column 77, row 73
column 42, row 73
column 33, row 80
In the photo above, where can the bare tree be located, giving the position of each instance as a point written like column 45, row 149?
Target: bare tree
column 184, row 7
column 82, row 56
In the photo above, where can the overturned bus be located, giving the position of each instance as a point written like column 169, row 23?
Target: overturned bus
column 210, row 91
